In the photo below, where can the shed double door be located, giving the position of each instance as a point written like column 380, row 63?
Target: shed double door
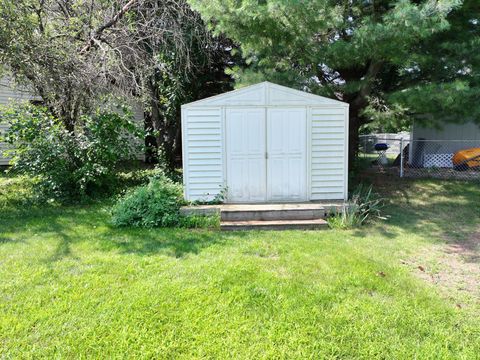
column 266, row 154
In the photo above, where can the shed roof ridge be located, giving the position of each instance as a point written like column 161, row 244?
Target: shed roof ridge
column 267, row 86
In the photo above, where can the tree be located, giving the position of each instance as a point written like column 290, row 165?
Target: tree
column 73, row 52
column 372, row 54
column 441, row 81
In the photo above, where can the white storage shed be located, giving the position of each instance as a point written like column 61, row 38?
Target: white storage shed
column 265, row 143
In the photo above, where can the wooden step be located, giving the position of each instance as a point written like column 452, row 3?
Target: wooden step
column 270, row 212
column 314, row 224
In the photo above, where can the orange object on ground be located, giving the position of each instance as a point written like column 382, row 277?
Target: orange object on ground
column 469, row 157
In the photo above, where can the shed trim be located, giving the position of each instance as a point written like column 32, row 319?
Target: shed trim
column 266, row 86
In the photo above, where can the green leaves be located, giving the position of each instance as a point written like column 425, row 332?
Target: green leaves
column 155, row 204
column 327, row 47
column 364, row 206
column 69, row 166
column 298, row 36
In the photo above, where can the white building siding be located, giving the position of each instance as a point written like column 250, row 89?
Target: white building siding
column 466, row 131
column 203, row 160
column 448, row 139
column 9, row 92
column 139, row 118
column 328, row 136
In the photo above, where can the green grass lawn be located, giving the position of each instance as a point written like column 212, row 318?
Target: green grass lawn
column 71, row 286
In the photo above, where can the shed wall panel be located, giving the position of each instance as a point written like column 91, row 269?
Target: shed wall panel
column 327, row 174
column 203, row 155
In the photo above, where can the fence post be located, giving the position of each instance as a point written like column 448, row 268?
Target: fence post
column 401, row 157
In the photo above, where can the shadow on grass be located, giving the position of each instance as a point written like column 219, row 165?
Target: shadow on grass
column 63, row 248
column 7, row 240
column 176, row 243
column 70, row 225
column 444, row 211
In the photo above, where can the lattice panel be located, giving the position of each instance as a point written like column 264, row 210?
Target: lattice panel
column 438, row 160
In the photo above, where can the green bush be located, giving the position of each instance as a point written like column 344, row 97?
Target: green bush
column 155, row 204
column 363, row 207
column 69, row 165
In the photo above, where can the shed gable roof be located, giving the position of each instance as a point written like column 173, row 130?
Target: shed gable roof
column 265, row 93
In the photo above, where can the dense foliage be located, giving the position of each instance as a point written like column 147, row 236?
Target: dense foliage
column 158, row 52
column 172, row 87
column 388, row 59
column 155, row 204
column 69, row 165
column 71, row 52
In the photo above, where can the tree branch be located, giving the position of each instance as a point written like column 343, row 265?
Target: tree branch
column 373, row 69
column 107, row 25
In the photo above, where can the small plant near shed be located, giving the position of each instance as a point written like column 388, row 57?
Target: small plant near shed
column 363, row 207
column 219, row 198
column 156, row 204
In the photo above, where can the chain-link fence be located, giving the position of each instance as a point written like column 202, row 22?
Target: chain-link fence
column 381, row 152
column 445, row 159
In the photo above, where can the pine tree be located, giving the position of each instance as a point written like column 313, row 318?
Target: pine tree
column 385, row 58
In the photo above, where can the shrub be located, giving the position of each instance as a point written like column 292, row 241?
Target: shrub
column 69, row 165
column 155, row 204
column 363, row 207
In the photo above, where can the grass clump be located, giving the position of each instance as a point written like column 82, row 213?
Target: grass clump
column 200, row 221
column 363, row 207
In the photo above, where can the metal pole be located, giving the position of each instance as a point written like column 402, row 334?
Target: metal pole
column 401, row 157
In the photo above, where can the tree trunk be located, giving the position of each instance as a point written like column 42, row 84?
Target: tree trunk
column 151, row 147
column 165, row 133
column 353, row 131
column 177, row 152
column 357, row 103
column 155, row 121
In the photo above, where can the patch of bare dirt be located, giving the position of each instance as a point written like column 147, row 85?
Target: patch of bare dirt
column 454, row 268
column 468, row 248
